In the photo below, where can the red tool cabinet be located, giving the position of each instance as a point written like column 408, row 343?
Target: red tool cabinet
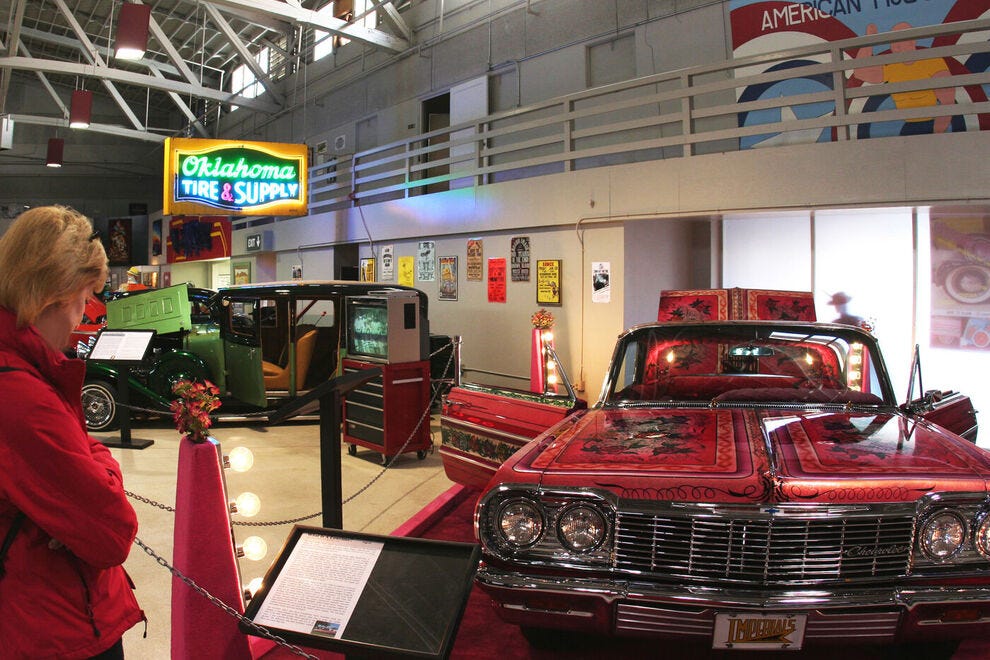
column 389, row 409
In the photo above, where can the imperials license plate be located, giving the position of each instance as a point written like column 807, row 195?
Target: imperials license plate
column 741, row 631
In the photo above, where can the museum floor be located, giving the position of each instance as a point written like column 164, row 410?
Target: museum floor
column 286, row 477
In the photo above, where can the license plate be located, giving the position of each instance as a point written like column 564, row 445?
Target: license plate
column 752, row 630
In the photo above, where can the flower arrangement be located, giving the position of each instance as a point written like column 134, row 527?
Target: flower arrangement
column 191, row 410
column 542, row 320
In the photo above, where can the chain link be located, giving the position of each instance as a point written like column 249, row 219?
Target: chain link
column 259, row 630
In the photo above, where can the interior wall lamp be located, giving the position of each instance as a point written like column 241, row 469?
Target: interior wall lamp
column 132, row 31
column 55, row 148
column 81, row 108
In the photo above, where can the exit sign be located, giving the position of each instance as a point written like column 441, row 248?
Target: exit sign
column 253, row 242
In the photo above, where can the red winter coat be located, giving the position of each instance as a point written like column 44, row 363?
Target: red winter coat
column 65, row 593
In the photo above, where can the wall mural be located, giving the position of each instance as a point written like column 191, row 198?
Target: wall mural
column 762, row 26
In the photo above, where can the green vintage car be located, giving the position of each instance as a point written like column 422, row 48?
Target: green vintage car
column 262, row 345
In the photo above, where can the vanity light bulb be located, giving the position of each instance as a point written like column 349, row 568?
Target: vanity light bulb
column 255, row 548
column 547, row 337
column 254, row 585
column 241, row 459
column 248, row 504
column 551, row 380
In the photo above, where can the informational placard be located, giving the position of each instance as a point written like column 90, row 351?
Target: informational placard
column 121, row 346
column 365, row 594
column 320, row 584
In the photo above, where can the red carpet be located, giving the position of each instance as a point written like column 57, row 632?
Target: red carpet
column 482, row 635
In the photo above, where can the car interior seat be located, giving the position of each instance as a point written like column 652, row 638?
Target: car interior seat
column 277, row 378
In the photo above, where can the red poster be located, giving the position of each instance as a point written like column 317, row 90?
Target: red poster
column 194, row 238
column 496, row 280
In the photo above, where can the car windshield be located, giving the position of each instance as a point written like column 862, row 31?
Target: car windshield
column 741, row 362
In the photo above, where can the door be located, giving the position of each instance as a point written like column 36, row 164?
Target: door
column 242, row 352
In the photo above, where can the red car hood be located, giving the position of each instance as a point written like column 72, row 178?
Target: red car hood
column 745, row 455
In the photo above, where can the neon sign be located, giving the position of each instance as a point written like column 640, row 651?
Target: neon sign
column 241, row 178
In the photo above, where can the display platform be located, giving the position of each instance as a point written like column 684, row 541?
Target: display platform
column 483, row 636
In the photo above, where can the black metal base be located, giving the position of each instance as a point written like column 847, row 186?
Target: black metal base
column 128, row 444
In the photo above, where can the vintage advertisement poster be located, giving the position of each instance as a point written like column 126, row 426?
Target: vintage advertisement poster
column 548, row 282
column 118, row 242
column 368, row 269
column 242, row 272
column 448, row 278
column 496, row 280
column 601, row 290
column 388, row 265
column 961, row 282
column 407, row 269
column 475, row 263
column 520, row 258
column 426, row 261
column 762, row 26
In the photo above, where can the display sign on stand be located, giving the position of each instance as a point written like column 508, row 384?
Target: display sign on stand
column 365, row 595
column 123, row 349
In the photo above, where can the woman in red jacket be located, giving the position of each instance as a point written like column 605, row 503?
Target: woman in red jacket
column 64, row 518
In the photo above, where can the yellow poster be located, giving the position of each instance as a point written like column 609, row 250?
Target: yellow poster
column 407, row 266
column 548, row 282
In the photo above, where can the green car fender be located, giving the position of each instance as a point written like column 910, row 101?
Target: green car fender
column 100, row 371
column 173, row 366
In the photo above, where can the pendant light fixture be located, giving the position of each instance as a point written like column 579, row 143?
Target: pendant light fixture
column 81, row 108
column 132, row 31
column 56, row 146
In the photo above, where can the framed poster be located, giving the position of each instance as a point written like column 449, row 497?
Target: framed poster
column 448, row 278
column 520, row 258
column 426, row 262
column 388, row 263
column 548, row 281
column 118, row 243
column 242, row 272
column 496, row 280
column 368, row 269
column 475, row 265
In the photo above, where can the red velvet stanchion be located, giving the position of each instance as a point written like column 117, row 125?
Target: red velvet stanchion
column 203, row 550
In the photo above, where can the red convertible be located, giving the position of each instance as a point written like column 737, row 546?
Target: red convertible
column 750, row 484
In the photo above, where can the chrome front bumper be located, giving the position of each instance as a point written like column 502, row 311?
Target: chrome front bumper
column 874, row 614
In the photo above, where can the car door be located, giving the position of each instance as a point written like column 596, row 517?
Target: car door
column 242, row 350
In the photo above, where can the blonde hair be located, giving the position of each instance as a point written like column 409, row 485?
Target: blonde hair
column 47, row 256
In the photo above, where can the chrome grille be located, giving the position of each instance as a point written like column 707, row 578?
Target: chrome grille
column 765, row 549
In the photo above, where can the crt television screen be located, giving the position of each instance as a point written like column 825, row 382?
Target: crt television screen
column 368, row 331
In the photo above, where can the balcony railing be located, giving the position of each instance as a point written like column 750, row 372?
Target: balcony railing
column 807, row 94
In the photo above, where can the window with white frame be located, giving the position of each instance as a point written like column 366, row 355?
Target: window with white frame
column 242, row 78
column 324, row 42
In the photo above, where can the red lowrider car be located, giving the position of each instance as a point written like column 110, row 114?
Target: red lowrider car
column 748, row 484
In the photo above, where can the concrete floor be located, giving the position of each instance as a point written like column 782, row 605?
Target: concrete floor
column 286, row 476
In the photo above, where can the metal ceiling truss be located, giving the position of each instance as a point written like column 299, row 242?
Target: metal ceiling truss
column 193, row 45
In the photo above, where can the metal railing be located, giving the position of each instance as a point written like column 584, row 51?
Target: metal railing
column 814, row 96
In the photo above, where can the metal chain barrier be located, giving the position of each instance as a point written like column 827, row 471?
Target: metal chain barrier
column 290, row 521
column 260, row 630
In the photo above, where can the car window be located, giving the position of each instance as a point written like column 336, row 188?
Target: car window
column 745, row 363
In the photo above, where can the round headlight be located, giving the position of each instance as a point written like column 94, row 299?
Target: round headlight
column 981, row 538
column 581, row 528
column 942, row 536
column 520, row 523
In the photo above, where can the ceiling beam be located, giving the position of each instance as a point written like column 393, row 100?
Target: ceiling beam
column 131, row 78
column 108, row 129
column 320, row 20
column 94, row 57
column 16, row 17
column 246, row 56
